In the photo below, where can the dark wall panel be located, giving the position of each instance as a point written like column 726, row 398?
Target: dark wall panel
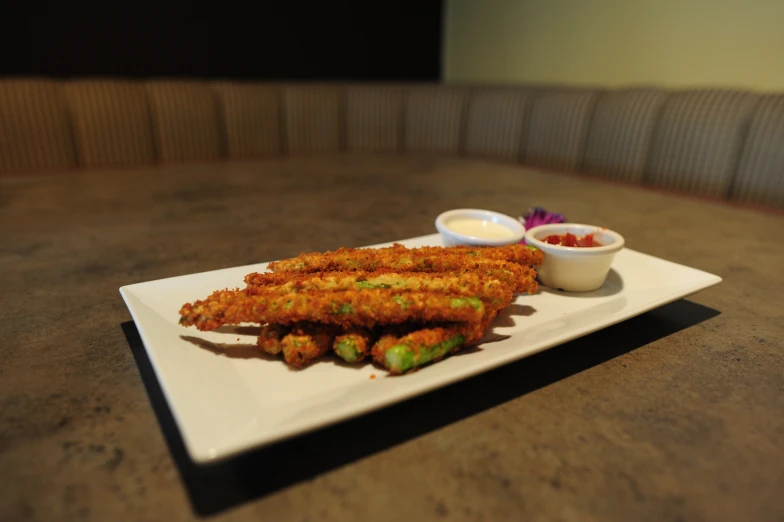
column 373, row 41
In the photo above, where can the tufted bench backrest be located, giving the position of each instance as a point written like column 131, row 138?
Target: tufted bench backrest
column 722, row 144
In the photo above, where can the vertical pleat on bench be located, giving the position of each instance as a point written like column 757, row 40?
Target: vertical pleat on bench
column 112, row 124
column 620, row 133
column 35, row 133
column 251, row 119
column 312, row 115
column 185, row 120
column 697, row 141
column 434, row 118
column 495, row 122
column 374, row 118
column 760, row 176
column 558, row 126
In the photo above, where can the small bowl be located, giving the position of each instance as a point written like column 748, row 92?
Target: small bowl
column 487, row 228
column 574, row 269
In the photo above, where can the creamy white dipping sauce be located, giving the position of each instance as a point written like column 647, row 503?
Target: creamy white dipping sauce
column 479, row 228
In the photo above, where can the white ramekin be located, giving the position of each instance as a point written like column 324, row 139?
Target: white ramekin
column 575, row 269
column 453, row 238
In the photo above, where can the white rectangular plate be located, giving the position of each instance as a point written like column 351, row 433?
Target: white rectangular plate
column 225, row 403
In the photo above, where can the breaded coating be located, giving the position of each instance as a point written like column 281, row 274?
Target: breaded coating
column 345, row 308
column 271, row 336
column 488, row 289
column 341, row 259
column 521, row 254
column 306, row 342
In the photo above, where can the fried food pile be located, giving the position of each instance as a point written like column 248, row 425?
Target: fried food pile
column 403, row 307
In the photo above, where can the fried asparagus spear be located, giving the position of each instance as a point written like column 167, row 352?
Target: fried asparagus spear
column 421, row 347
column 400, row 353
column 354, row 344
column 517, row 278
column 402, row 350
column 398, row 257
column 490, row 290
column 345, row 308
column 306, row 342
column 271, row 336
column 518, row 253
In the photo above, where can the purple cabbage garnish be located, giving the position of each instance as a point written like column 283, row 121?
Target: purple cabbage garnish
column 538, row 216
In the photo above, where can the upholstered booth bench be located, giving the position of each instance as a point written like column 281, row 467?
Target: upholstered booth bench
column 720, row 144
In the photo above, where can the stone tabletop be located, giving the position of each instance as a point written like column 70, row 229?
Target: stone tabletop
column 677, row 414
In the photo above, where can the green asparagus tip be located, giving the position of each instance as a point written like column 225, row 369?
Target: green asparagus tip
column 347, row 350
column 399, row 358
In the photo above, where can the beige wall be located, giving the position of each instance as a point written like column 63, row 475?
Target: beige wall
column 730, row 43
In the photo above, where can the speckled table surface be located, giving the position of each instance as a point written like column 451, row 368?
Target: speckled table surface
column 677, row 414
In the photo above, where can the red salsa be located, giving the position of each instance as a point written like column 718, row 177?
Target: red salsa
column 570, row 240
